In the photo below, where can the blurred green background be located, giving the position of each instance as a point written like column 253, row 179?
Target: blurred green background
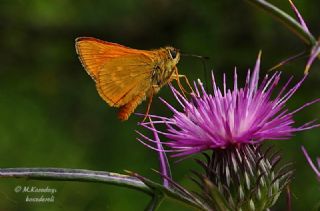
column 51, row 114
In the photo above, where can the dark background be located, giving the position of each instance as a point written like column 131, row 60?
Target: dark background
column 52, row 116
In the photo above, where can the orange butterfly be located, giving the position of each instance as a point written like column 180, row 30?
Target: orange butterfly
column 124, row 76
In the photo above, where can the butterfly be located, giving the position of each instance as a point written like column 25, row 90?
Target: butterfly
column 125, row 76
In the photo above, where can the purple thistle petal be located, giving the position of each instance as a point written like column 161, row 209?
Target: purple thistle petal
column 289, row 94
column 163, row 160
column 288, row 60
column 255, row 77
column 297, row 13
column 305, row 105
column 177, row 95
column 154, row 148
column 315, row 52
column 314, row 168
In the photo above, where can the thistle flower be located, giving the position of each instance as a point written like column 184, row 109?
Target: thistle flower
column 239, row 175
column 229, row 118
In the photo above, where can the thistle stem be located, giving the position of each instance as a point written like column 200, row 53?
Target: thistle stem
column 79, row 175
column 155, row 190
column 287, row 20
column 154, row 203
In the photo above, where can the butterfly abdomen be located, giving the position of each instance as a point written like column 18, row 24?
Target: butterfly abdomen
column 126, row 110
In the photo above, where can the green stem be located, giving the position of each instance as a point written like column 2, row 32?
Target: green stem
column 287, row 20
column 179, row 194
column 80, row 175
column 155, row 202
column 155, row 190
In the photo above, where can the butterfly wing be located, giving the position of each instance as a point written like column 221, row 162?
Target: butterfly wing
column 94, row 53
column 124, row 78
column 122, row 74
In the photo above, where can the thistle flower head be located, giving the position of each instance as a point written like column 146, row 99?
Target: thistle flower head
column 244, row 178
column 230, row 117
column 233, row 123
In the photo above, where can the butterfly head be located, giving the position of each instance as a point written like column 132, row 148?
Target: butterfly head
column 174, row 55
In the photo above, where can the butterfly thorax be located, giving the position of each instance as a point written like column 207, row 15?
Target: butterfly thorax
column 164, row 66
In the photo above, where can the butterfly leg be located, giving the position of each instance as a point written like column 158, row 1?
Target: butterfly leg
column 177, row 77
column 187, row 81
column 151, row 93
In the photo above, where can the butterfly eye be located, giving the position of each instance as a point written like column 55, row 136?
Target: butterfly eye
column 173, row 53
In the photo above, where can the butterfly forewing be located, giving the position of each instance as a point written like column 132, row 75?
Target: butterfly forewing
column 94, row 53
column 123, row 78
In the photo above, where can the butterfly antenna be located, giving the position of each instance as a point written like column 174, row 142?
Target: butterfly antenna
column 203, row 60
